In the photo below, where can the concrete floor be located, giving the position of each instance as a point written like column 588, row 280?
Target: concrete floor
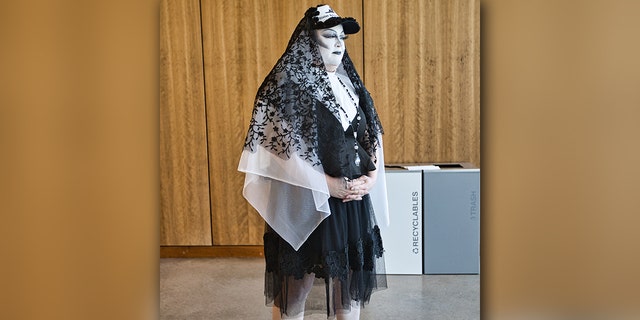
column 232, row 288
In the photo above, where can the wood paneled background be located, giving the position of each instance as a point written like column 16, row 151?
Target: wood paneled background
column 422, row 66
column 419, row 58
column 184, row 173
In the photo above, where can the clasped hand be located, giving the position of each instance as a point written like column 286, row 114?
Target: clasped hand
column 349, row 190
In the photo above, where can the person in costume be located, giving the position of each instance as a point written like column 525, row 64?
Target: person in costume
column 314, row 170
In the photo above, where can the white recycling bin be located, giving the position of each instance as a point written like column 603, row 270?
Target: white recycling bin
column 402, row 239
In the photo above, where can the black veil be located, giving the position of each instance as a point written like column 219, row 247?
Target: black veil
column 281, row 155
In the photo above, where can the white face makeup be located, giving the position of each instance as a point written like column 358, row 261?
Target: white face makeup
column 331, row 46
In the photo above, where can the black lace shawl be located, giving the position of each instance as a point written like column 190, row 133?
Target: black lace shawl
column 284, row 117
column 285, row 181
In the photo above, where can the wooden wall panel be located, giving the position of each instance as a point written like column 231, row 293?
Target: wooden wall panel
column 242, row 41
column 184, row 181
column 422, row 61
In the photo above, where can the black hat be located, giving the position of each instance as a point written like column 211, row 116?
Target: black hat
column 323, row 17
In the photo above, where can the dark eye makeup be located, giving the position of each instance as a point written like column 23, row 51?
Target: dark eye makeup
column 330, row 35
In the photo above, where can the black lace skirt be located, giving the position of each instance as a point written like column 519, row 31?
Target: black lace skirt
column 340, row 264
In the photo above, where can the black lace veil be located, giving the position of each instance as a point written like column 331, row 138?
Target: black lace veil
column 281, row 157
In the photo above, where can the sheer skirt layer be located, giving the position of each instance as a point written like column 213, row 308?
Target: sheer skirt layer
column 341, row 262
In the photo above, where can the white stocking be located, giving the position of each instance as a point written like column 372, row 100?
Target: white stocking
column 296, row 296
column 354, row 314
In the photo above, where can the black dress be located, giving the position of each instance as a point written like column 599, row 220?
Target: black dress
column 343, row 255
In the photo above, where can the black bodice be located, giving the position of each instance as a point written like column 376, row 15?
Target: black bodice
column 337, row 147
